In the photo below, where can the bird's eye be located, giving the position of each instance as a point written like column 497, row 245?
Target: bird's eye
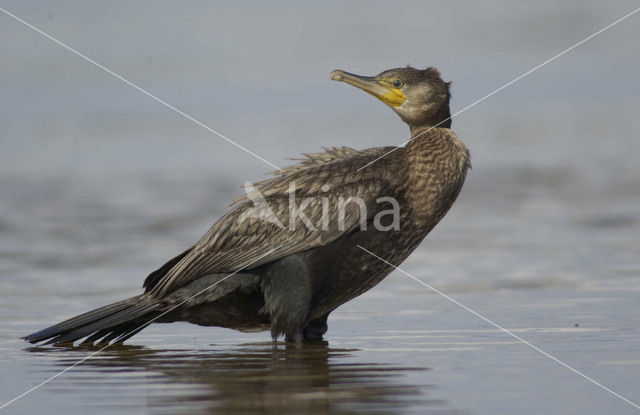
column 397, row 83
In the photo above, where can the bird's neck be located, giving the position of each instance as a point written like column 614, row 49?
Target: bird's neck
column 418, row 131
column 442, row 119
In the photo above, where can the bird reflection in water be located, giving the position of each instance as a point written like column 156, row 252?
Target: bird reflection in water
column 260, row 378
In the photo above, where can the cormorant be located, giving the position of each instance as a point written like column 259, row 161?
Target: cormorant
column 284, row 266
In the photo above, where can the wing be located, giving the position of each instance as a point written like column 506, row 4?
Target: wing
column 306, row 205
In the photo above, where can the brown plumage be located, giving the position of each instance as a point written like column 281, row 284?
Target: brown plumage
column 289, row 270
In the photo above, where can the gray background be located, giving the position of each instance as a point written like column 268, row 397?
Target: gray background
column 99, row 184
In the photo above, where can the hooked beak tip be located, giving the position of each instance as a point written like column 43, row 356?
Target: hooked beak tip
column 337, row 75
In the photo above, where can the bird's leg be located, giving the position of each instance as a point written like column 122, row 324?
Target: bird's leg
column 316, row 328
column 296, row 338
column 287, row 297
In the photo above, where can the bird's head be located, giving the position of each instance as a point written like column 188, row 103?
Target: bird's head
column 419, row 97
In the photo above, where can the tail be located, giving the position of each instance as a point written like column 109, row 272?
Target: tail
column 114, row 322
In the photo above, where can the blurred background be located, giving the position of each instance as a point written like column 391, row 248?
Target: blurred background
column 99, row 184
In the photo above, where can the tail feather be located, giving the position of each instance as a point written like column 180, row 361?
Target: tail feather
column 111, row 321
column 130, row 333
column 106, row 335
column 77, row 321
column 118, row 333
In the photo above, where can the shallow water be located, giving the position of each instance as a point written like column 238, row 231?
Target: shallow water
column 99, row 185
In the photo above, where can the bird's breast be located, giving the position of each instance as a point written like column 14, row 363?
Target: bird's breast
column 436, row 170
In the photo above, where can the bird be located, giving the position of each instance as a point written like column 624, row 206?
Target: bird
column 265, row 266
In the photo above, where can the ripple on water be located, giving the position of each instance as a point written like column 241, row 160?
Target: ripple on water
column 252, row 378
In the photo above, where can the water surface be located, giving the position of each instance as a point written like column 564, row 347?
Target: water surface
column 99, row 185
